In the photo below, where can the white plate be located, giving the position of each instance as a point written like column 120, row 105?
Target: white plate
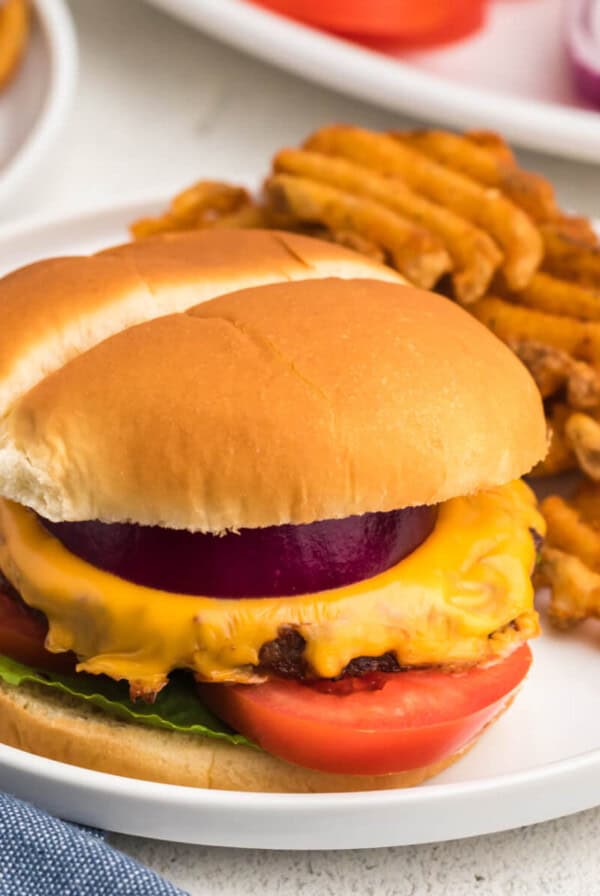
column 541, row 760
column 512, row 77
column 34, row 105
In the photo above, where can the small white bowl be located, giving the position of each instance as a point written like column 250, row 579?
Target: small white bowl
column 35, row 103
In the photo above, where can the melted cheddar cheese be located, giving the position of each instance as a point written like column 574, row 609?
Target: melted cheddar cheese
column 463, row 597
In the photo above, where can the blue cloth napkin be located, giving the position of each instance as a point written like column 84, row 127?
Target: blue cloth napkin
column 42, row 856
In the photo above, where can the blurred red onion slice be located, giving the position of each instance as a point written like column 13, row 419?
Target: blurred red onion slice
column 583, row 46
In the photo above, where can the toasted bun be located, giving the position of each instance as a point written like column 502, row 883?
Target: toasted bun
column 67, row 730
column 279, row 404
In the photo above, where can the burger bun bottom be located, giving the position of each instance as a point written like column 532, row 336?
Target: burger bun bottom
column 67, row 730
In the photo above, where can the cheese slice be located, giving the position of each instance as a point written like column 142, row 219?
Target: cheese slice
column 463, row 597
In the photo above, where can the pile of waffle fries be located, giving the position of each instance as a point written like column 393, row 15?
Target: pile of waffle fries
column 457, row 214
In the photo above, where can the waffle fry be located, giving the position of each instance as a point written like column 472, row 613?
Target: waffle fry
column 587, row 502
column 14, row 34
column 245, row 217
column 571, row 256
column 570, row 558
column 203, row 204
column 415, row 252
column 583, row 386
column 569, row 532
column 509, row 226
column 511, row 322
column 553, row 369
column 560, row 457
column 548, row 293
column 493, row 143
column 575, row 594
column 529, row 191
column 473, row 253
column 351, row 240
column 548, row 366
column 572, row 227
column 583, row 433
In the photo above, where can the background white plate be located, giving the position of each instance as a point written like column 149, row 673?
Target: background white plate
column 512, row 76
column 35, row 103
column 540, row 761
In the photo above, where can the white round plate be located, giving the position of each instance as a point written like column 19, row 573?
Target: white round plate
column 512, row 76
column 539, row 761
column 34, row 104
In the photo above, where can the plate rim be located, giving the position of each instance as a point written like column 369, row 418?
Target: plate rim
column 137, row 789
column 74, row 781
column 58, row 32
column 39, row 220
column 551, row 128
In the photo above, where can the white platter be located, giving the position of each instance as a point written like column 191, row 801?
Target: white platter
column 35, row 103
column 540, row 761
column 512, row 77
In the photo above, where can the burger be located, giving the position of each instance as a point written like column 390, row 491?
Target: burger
column 261, row 526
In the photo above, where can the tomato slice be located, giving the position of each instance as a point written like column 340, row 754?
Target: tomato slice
column 406, row 22
column 23, row 636
column 412, row 719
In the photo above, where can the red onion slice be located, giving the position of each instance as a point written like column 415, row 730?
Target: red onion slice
column 270, row 562
column 583, row 46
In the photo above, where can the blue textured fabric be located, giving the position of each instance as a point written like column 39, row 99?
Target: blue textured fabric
column 42, row 856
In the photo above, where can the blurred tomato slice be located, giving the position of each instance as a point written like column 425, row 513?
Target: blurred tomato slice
column 23, row 637
column 405, row 22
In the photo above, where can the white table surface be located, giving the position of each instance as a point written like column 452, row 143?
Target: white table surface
column 157, row 107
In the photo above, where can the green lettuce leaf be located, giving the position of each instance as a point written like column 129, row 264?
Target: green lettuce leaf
column 176, row 708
